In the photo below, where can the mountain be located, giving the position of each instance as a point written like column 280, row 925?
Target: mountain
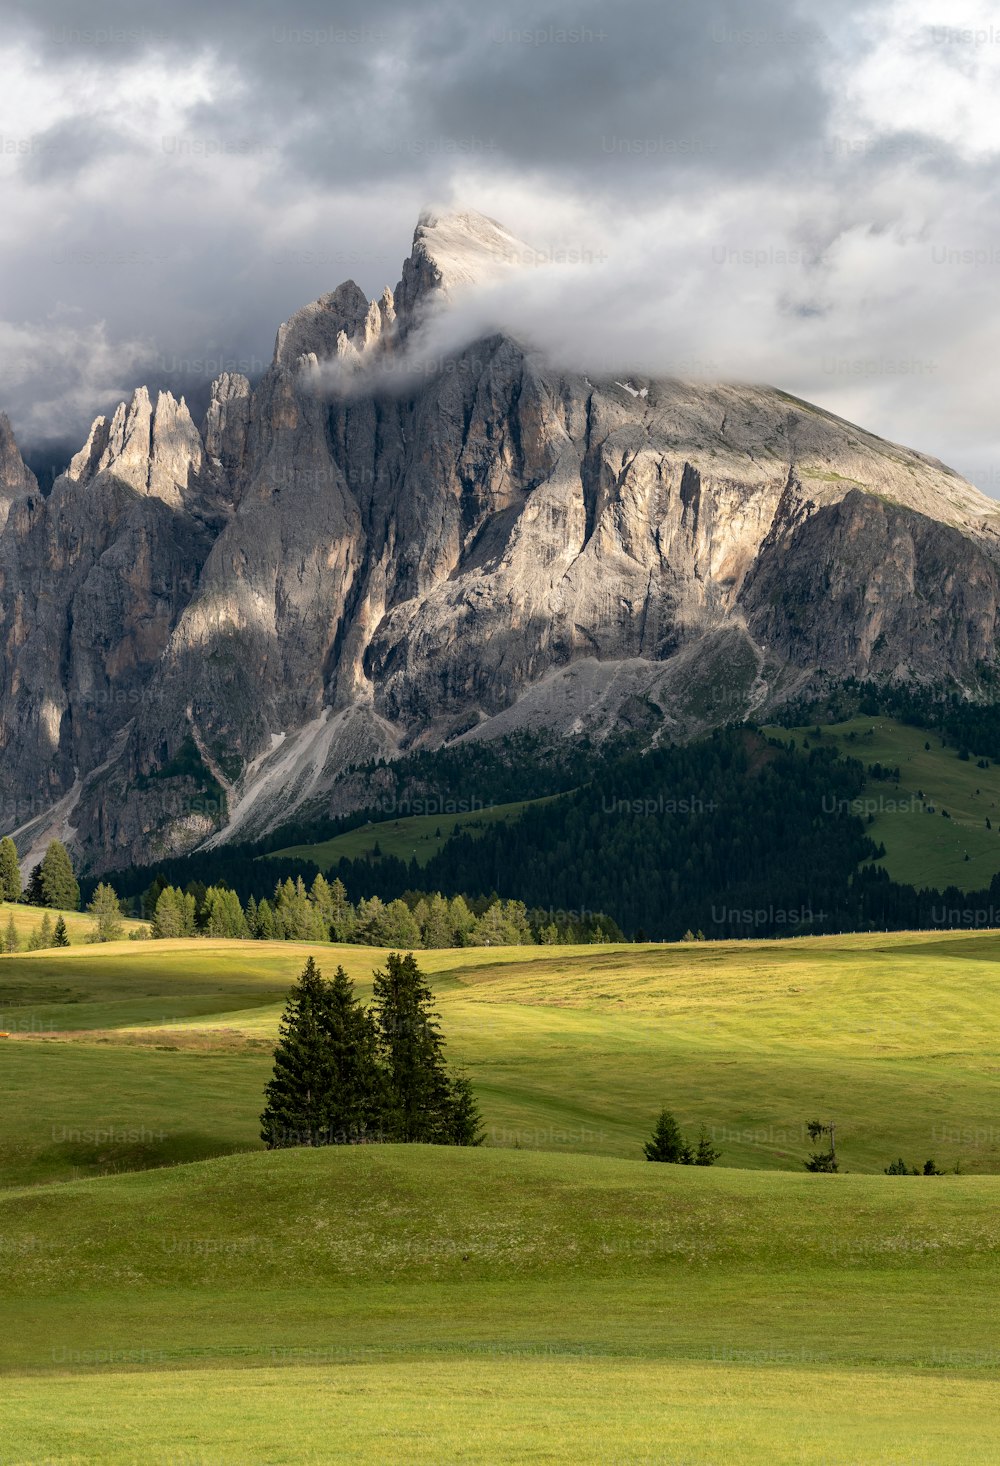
column 376, row 547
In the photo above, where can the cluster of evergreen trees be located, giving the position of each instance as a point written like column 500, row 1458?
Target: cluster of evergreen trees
column 345, row 1074
column 45, row 934
column 669, row 1144
column 322, row 913
column 52, row 882
column 733, row 835
column 53, row 885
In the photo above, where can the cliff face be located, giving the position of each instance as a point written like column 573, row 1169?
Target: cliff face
column 364, row 551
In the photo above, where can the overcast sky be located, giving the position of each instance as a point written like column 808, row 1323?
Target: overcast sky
column 793, row 193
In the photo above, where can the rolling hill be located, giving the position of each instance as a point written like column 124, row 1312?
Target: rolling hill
column 172, row 1292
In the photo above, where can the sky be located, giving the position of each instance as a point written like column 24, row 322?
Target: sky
column 768, row 191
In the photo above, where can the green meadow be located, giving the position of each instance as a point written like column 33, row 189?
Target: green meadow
column 173, row 1292
column 411, row 837
column 926, row 838
column 79, row 926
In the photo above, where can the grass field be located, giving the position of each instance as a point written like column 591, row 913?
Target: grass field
column 923, row 847
column 79, row 926
column 140, row 1053
column 550, row 1308
column 174, row 1293
column 506, row 1408
column 412, row 837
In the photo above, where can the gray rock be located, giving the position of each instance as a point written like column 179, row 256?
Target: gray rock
column 204, row 631
column 16, row 479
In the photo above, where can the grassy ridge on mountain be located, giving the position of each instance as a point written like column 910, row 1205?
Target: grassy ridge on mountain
column 411, row 837
column 940, row 822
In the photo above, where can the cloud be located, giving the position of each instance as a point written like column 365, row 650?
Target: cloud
column 62, row 368
column 782, row 194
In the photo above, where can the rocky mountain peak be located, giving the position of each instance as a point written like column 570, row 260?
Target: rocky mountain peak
column 321, row 578
column 453, row 251
column 314, row 329
column 154, row 448
column 227, row 419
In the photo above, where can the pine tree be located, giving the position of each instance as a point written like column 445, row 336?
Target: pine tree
column 266, row 929
column 358, row 1097
column 399, row 927
column 462, row 922
column 10, row 871
column 34, row 894
column 107, row 914
column 151, row 895
column 11, row 942
column 465, row 1123
column 222, row 914
column 60, row 937
column 175, row 913
column 341, row 913
column 58, row 883
column 424, row 1103
column 41, row 935
column 196, row 890
column 321, row 896
column 300, row 1097
column 503, row 924
column 823, row 1160
column 295, row 917
column 705, row 1153
column 667, row 1143
column 369, row 926
column 436, row 927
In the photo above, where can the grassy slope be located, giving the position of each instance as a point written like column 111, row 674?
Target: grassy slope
column 413, row 837
column 579, row 1304
column 79, row 925
column 922, row 849
column 507, row 1304
column 570, row 1049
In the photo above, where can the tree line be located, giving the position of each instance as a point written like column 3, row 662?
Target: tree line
column 322, row 912
column 733, row 835
column 52, row 885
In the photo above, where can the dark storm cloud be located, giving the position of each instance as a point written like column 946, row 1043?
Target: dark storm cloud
column 181, row 178
column 68, row 148
column 600, row 91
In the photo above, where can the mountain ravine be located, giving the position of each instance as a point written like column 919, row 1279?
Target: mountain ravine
column 370, row 549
